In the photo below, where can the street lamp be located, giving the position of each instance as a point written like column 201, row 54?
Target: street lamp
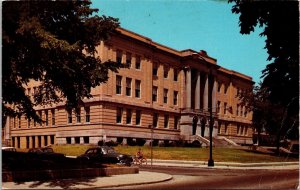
column 210, row 160
column 150, row 127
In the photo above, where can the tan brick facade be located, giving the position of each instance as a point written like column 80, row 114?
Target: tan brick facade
column 162, row 86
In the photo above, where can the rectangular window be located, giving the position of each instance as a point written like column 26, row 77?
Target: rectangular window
column 52, row 139
column 238, row 130
column 68, row 139
column 166, row 72
column 29, row 91
column 34, row 91
column 14, row 125
column 165, row 95
column 175, row 98
column 40, row 115
column 128, row 116
column 175, row 75
column 137, row 88
column 27, row 142
column 155, row 120
column 241, row 111
column 46, row 118
column 246, row 131
column 69, row 116
column 87, row 114
column 225, row 89
column 138, row 62
column 166, row 121
column 245, row 113
column 28, row 124
column 128, row 86
column 119, row 56
column 53, row 117
column 219, row 128
column 219, row 86
column 237, row 109
column 154, row 94
column 154, row 70
column 86, row 140
column 19, row 119
column 78, row 115
column 33, row 141
column 128, row 59
column 138, row 117
column 118, row 84
column 176, row 120
column 45, row 140
column 77, row 140
column 119, row 115
column 226, row 128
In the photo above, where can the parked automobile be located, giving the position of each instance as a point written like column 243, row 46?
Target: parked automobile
column 45, row 152
column 8, row 149
column 105, row 154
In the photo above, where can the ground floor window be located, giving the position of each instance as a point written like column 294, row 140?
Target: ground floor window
column 27, row 142
column 51, row 139
column 68, row 139
column 77, row 140
column 39, row 141
column 86, row 140
column 33, row 142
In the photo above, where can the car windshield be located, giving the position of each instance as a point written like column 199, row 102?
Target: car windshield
column 108, row 150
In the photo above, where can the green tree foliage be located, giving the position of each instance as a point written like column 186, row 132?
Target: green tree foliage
column 280, row 85
column 53, row 42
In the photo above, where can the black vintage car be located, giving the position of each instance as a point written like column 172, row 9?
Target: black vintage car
column 105, row 154
column 45, row 153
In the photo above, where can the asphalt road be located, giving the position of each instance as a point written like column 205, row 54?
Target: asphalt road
column 210, row 178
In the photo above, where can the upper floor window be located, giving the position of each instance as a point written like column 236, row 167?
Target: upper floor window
column 175, row 100
column 119, row 115
column 29, row 121
column 128, row 86
column 166, row 123
column 219, row 86
column 119, row 56
column 46, row 118
column 138, row 117
column 118, row 84
column 154, row 94
column 225, row 89
column 137, row 88
column 175, row 75
column 87, row 114
column 166, row 72
column 128, row 59
column 176, row 121
column 165, row 95
column 155, row 120
column 69, row 116
column 154, row 69
column 128, row 116
column 138, row 62
column 78, row 115
column 53, row 116
column 29, row 91
column 19, row 123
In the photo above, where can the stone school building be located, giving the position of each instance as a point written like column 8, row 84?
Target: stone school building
column 169, row 90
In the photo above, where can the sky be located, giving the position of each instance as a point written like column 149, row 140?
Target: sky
column 193, row 24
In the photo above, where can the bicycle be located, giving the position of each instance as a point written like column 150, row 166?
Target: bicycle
column 140, row 161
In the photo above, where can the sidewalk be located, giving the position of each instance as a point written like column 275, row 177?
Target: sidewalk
column 142, row 177
column 224, row 165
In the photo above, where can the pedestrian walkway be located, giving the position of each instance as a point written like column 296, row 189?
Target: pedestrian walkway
column 228, row 165
column 142, row 177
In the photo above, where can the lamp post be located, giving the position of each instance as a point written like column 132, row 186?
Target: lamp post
column 151, row 145
column 210, row 160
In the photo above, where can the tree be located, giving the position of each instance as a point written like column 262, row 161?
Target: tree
column 280, row 20
column 53, row 42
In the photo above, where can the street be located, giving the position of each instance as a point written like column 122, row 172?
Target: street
column 210, row 178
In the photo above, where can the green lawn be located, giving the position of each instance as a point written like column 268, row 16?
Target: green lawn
column 184, row 153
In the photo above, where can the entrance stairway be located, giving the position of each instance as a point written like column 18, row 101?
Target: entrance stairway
column 217, row 141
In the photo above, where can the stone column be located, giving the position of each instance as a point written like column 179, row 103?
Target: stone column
column 188, row 88
column 214, row 95
column 183, row 89
column 197, row 92
column 206, row 94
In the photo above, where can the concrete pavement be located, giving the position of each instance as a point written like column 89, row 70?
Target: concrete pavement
column 142, row 177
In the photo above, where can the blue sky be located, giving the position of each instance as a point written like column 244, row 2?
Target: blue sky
column 192, row 24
